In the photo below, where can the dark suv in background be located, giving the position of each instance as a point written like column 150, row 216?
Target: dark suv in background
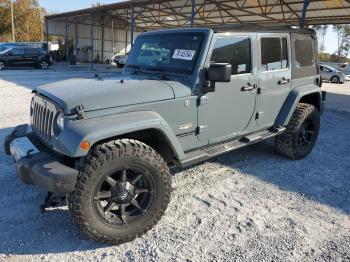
column 25, row 56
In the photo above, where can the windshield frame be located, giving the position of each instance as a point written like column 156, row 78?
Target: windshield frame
column 130, row 65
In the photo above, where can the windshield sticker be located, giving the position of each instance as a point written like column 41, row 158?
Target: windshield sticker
column 184, row 54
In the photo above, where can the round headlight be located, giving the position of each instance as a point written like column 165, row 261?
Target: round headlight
column 58, row 123
column 32, row 107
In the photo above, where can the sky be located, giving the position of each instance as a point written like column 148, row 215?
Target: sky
column 71, row 5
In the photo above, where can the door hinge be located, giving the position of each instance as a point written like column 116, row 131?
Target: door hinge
column 203, row 100
column 202, row 129
column 258, row 115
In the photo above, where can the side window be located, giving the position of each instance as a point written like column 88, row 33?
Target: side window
column 284, row 53
column 274, row 53
column 304, row 52
column 31, row 51
column 17, row 51
column 235, row 51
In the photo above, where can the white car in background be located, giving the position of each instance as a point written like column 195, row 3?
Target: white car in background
column 345, row 69
column 331, row 74
column 120, row 59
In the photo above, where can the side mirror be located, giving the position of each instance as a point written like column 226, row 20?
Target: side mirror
column 219, row 72
column 216, row 72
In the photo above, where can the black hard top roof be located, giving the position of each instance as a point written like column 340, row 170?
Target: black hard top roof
column 261, row 28
column 254, row 28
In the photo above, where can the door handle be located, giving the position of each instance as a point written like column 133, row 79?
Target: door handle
column 283, row 81
column 249, row 87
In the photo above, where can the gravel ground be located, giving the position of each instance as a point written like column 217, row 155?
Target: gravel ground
column 247, row 205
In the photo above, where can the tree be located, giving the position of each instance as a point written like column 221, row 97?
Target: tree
column 5, row 20
column 28, row 20
column 321, row 31
column 343, row 36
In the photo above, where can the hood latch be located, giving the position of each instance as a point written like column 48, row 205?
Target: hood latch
column 80, row 111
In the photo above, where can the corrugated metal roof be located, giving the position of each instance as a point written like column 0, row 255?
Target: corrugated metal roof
column 156, row 14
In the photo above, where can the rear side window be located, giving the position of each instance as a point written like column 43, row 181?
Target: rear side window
column 30, row 51
column 235, row 51
column 304, row 52
column 274, row 53
column 17, row 51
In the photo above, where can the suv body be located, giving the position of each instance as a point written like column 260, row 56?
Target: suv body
column 120, row 59
column 345, row 69
column 206, row 92
column 25, row 57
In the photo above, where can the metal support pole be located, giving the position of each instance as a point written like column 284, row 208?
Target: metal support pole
column 113, row 37
column 132, row 24
column 126, row 40
column 103, row 39
column 92, row 43
column 47, row 34
column 66, row 39
column 193, row 13
column 303, row 14
column 76, row 40
column 13, row 23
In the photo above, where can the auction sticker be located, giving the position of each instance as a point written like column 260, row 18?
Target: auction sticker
column 184, row 54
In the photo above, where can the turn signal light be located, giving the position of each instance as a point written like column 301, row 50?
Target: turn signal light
column 85, row 145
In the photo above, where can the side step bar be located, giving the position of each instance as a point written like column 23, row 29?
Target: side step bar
column 204, row 154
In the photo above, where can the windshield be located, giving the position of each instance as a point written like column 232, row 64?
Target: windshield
column 5, row 51
column 173, row 52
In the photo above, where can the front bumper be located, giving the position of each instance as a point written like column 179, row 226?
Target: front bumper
column 36, row 167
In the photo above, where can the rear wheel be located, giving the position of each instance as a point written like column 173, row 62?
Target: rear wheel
column 301, row 134
column 2, row 65
column 335, row 79
column 122, row 191
column 44, row 65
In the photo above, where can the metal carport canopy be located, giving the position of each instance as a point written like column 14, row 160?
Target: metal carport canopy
column 158, row 14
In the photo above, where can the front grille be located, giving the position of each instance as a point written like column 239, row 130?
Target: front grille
column 43, row 114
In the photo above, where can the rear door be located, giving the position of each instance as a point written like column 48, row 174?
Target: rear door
column 31, row 55
column 326, row 73
column 274, row 76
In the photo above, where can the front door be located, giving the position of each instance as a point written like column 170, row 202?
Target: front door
column 16, row 57
column 227, row 112
column 274, row 76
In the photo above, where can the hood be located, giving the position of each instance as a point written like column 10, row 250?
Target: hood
column 100, row 94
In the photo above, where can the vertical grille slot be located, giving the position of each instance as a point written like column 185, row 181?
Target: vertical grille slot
column 42, row 118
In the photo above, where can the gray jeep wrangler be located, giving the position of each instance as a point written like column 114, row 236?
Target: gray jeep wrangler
column 185, row 96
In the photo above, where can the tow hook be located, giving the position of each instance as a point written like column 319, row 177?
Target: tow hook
column 52, row 200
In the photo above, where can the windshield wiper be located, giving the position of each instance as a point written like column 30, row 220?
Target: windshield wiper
column 133, row 67
column 155, row 69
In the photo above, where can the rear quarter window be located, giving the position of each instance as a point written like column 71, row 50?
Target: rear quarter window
column 304, row 53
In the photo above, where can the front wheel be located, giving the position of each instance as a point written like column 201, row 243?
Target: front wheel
column 122, row 191
column 335, row 79
column 2, row 65
column 301, row 134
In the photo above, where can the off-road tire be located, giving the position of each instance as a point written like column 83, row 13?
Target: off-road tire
column 91, row 167
column 335, row 79
column 287, row 143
